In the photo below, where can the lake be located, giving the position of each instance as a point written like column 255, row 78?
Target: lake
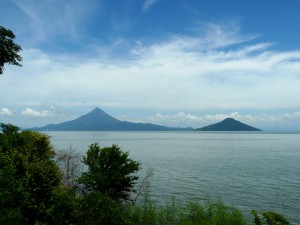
column 249, row 170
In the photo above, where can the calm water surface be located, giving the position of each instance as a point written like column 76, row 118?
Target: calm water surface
column 248, row 170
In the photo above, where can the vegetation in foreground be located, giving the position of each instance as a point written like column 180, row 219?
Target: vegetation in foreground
column 211, row 212
column 40, row 186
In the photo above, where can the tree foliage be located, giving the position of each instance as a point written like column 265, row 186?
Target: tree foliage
column 11, row 192
column 97, row 209
column 66, row 207
column 8, row 49
column 27, row 168
column 110, row 171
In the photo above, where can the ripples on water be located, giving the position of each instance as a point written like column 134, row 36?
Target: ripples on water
column 248, row 170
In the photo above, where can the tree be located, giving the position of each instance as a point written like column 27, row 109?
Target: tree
column 66, row 207
column 12, row 193
column 144, row 186
column 27, row 168
column 69, row 162
column 110, row 172
column 8, row 49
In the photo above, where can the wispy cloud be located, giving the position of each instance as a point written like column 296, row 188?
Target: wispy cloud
column 148, row 3
column 47, row 21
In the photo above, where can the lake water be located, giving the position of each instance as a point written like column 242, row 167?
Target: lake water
column 248, row 170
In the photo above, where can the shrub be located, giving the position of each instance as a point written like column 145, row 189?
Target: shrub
column 210, row 213
column 269, row 218
column 97, row 209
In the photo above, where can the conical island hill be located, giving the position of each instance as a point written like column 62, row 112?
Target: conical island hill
column 228, row 124
column 98, row 120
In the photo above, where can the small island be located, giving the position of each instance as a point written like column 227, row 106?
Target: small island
column 228, row 124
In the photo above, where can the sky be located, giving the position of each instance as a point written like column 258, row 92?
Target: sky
column 169, row 62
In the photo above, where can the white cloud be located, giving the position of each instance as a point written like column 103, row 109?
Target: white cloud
column 183, row 73
column 187, row 119
column 148, row 4
column 6, row 112
column 32, row 113
column 262, row 121
column 52, row 107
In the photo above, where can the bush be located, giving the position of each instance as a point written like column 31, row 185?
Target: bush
column 269, row 218
column 175, row 213
column 97, row 209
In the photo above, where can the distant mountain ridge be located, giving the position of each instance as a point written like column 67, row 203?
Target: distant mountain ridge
column 228, row 124
column 98, row 120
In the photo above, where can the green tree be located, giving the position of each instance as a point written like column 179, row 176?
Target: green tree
column 8, row 49
column 12, row 193
column 110, row 171
column 28, row 168
column 66, row 207
column 97, row 209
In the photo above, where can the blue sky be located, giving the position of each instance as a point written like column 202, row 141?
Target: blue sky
column 170, row 62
